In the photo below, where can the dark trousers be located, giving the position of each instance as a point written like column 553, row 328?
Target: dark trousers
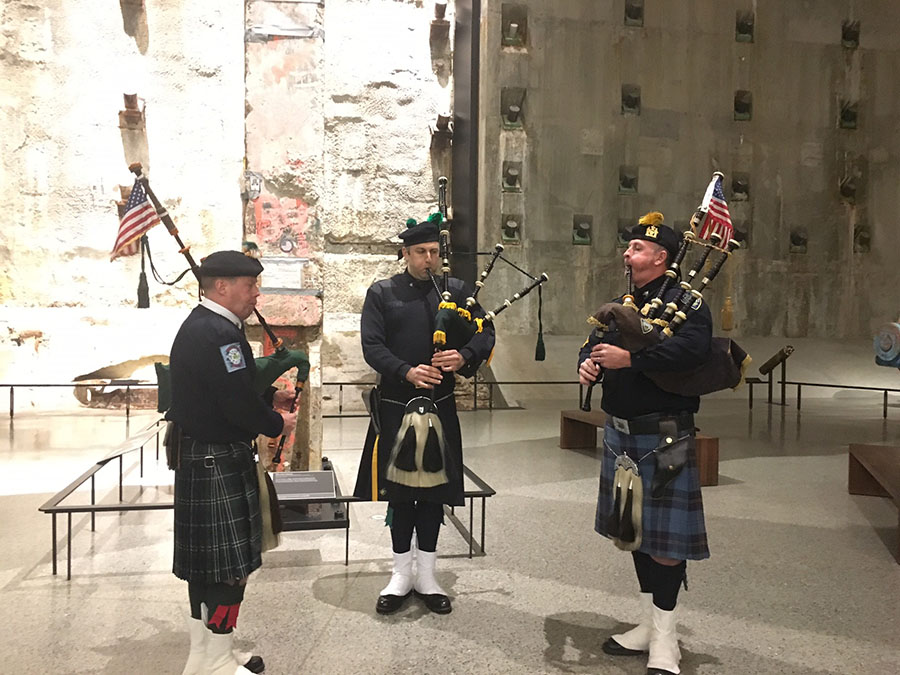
column 423, row 517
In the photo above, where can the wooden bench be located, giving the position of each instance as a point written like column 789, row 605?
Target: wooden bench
column 578, row 430
column 875, row 470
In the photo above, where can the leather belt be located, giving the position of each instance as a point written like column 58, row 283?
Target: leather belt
column 198, row 451
column 649, row 424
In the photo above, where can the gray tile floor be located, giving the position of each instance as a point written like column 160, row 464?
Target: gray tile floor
column 801, row 578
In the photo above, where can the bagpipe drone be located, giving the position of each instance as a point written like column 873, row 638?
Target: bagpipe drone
column 418, row 457
column 643, row 327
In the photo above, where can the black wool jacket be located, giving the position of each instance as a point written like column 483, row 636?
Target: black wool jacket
column 628, row 392
column 212, row 370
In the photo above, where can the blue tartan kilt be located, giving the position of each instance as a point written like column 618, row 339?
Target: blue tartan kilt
column 218, row 527
column 673, row 525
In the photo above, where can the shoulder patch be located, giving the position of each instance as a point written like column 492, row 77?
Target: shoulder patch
column 233, row 357
column 697, row 303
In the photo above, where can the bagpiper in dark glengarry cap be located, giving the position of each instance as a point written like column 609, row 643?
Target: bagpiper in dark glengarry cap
column 420, row 233
column 230, row 264
column 651, row 228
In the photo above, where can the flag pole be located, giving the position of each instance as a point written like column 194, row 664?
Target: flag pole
column 143, row 290
column 164, row 216
column 166, row 219
column 703, row 209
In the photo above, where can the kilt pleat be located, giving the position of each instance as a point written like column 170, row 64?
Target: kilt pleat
column 673, row 525
column 218, row 527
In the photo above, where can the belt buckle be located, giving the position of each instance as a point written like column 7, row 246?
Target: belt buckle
column 620, row 425
column 209, row 462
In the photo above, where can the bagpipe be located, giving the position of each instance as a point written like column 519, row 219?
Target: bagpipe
column 268, row 369
column 418, row 457
column 643, row 327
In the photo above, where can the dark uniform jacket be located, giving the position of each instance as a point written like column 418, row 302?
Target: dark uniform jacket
column 397, row 326
column 628, row 392
column 213, row 397
column 218, row 528
column 398, row 321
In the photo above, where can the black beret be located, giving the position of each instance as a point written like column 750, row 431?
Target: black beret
column 658, row 233
column 420, row 233
column 230, row 264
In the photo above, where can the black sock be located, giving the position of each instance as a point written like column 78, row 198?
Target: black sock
column 196, row 591
column 667, row 583
column 223, row 602
column 643, row 567
column 429, row 516
column 403, row 520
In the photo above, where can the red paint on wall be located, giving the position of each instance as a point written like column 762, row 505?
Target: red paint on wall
column 281, row 224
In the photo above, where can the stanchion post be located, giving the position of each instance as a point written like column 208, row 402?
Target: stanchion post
column 93, row 501
column 53, row 546
column 69, row 549
column 783, row 380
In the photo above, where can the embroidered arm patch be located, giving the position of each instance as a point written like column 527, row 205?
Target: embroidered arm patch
column 233, row 357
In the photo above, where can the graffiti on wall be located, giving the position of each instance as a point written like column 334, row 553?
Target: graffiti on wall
column 281, row 225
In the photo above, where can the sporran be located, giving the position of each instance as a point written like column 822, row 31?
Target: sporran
column 624, row 522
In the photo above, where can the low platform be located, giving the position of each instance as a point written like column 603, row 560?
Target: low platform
column 874, row 470
column 312, row 500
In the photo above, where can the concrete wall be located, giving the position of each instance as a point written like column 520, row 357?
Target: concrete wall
column 64, row 67
column 336, row 127
column 576, row 58
column 386, row 81
column 319, row 139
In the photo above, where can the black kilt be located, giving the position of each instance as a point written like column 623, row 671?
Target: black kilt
column 391, row 416
column 218, row 528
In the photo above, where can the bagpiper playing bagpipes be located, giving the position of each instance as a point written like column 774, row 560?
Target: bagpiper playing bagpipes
column 417, row 333
column 214, row 394
column 654, row 353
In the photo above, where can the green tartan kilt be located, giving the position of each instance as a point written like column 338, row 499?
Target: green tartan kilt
column 218, row 528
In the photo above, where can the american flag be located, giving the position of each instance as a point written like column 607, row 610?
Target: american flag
column 717, row 219
column 139, row 217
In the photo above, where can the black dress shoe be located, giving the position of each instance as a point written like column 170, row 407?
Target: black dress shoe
column 659, row 671
column 388, row 604
column 255, row 664
column 613, row 648
column 437, row 603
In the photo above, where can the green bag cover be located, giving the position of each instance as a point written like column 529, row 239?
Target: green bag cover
column 457, row 329
column 163, row 387
column 268, row 369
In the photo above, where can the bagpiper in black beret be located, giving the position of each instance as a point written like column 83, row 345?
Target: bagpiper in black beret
column 651, row 228
column 230, row 264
